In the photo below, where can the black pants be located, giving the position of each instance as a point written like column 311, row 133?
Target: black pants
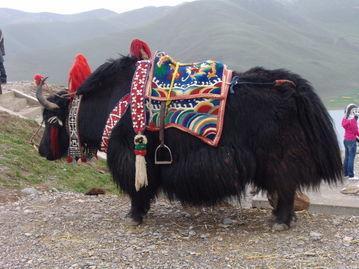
column 2, row 73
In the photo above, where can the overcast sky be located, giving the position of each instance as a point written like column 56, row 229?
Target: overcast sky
column 74, row 6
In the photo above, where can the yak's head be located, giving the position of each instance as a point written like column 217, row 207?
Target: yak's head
column 55, row 140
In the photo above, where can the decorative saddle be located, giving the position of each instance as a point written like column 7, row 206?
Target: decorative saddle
column 195, row 96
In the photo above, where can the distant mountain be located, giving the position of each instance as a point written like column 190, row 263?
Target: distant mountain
column 12, row 16
column 318, row 39
column 27, row 32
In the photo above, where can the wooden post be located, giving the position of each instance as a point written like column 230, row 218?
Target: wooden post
column 0, row 89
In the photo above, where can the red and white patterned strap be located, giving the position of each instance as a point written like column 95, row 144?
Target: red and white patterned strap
column 138, row 87
column 113, row 119
column 137, row 104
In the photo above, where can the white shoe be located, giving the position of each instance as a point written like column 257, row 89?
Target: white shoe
column 353, row 178
column 350, row 189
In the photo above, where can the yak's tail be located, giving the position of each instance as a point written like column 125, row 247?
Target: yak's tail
column 320, row 133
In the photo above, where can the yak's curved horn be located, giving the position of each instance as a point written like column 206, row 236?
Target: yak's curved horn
column 42, row 100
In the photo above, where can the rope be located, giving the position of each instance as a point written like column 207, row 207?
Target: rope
column 31, row 141
column 168, row 97
column 278, row 82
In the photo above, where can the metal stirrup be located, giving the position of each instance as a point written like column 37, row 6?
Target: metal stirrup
column 163, row 147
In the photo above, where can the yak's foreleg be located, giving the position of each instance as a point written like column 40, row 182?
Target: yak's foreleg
column 140, row 204
column 284, row 210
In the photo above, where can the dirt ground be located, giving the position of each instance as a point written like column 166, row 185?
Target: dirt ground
column 69, row 230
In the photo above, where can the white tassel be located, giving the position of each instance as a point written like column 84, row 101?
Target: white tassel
column 141, row 172
column 140, row 165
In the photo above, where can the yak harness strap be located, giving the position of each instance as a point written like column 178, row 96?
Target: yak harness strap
column 138, row 115
column 114, row 117
column 163, row 154
column 75, row 150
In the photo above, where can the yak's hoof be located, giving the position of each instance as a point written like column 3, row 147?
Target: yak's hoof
column 279, row 227
column 132, row 222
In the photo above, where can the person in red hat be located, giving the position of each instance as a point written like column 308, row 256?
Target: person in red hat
column 140, row 49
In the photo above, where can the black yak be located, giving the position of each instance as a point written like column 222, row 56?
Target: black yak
column 278, row 138
column 103, row 89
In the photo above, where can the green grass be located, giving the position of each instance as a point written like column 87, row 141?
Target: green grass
column 340, row 102
column 22, row 166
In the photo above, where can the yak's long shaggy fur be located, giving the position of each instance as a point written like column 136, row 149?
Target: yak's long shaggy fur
column 280, row 139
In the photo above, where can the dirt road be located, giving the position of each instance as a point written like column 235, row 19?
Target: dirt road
column 69, row 230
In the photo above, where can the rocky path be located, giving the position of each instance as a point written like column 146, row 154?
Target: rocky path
column 17, row 104
column 68, row 230
column 18, row 98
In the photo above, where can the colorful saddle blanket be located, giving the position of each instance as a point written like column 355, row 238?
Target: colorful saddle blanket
column 195, row 95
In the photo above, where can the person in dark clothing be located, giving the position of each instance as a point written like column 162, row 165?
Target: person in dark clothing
column 3, row 76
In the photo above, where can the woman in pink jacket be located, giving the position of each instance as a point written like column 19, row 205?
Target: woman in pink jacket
column 350, row 126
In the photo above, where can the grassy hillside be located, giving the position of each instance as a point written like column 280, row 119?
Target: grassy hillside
column 302, row 36
column 22, row 166
column 341, row 101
